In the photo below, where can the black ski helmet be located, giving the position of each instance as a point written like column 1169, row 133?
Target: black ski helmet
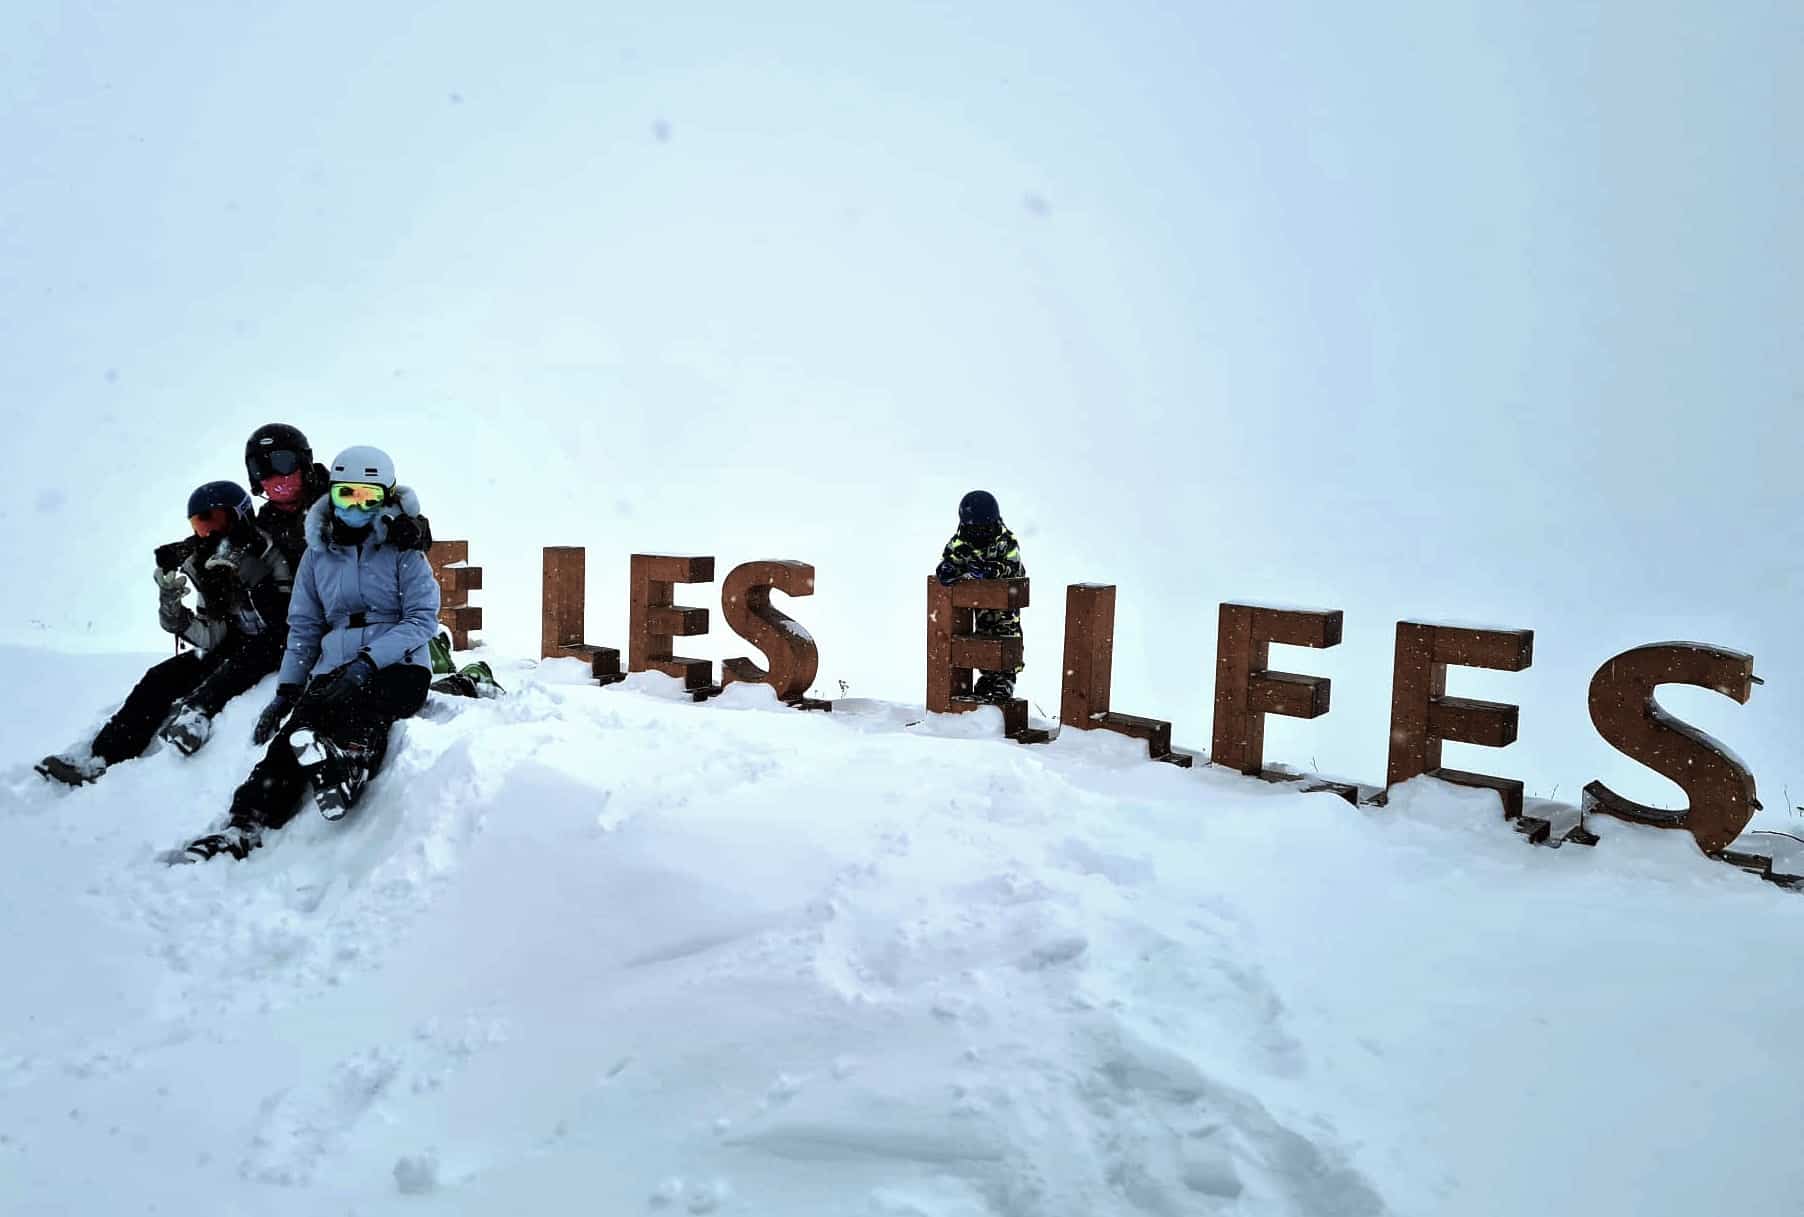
column 273, row 450
column 229, row 495
column 979, row 507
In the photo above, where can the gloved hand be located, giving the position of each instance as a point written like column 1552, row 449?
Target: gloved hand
column 343, row 682
column 410, row 532
column 172, row 614
column 226, row 557
column 270, row 721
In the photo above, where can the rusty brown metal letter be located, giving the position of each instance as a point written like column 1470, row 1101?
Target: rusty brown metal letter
column 1719, row 788
column 562, row 611
column 655, row 620
column 1422, row 715
column 1089, row 671
column 954, row 649
column 1246, row 691
column 450, row 562
column 790, row 650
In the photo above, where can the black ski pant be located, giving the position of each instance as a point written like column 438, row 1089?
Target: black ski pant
column 271, row 795
column 206, row 679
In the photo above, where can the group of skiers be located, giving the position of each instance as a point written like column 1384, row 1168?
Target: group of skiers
column 328, row 584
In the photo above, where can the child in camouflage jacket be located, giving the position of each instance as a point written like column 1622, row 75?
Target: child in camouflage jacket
column 984, row 548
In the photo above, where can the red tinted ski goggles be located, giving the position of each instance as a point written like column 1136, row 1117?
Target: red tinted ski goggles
column 365, row 495
column 208, row 523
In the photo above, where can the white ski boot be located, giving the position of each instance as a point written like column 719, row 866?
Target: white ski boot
column 188, row 730
column 336, row 772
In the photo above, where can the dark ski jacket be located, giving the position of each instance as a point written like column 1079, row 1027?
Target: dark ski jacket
column 974, row 554
column 242, row 587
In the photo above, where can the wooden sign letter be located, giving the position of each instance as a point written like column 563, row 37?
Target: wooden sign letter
column 1719, row 787
column 450, row 562
column 790, row 650
column 1245, row 691
column 1089, row 668
column 954, row 649
column 562, row 608
column 1422, row 715
column 654, row 620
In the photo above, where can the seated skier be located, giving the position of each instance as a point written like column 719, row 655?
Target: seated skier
column 359, row 627
column 279, row 462
column 239, row 624
column 984, row 548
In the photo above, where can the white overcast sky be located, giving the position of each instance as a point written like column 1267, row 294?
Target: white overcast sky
column 1470, row 311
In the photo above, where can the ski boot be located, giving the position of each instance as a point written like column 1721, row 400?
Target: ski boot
column 440, row 650
column 997, row 688
column 471, row 680
column 235, row 840
column 336, row 771
column 480, row 675
column 77, row 767
column 188, row 730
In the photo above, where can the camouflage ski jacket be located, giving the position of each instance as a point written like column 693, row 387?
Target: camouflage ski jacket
column 978, row 557
column 964, row 558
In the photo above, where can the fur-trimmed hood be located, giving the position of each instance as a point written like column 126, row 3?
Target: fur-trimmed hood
column 372, row 599
column 401, row 501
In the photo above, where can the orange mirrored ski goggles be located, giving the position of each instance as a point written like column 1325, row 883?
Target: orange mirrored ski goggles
column 366, row 495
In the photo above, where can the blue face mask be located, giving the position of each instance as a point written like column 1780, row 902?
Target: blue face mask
column 355, row 517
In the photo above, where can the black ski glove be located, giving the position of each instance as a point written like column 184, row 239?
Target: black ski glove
column 343, row 682
column 270, row 721
column 172, row 555
column 410, row 532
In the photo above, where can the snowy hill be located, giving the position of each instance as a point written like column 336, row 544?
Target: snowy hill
column 604, row 951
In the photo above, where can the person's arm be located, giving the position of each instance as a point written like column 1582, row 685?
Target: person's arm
column 197, row 629
column 202, row 633
column 419, row 612
column 306, row 626
column 1005, row 558
column 410, row 529
column 955, row 562
column 271, row 600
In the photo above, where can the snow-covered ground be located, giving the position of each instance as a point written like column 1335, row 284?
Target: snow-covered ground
column 604, row 951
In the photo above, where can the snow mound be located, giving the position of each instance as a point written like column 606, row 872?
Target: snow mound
column 606, row 951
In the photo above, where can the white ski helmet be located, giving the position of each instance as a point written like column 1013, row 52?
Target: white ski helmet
column 364, row 464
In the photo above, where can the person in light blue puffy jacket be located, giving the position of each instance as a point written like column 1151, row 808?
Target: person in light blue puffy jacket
column 357, row 658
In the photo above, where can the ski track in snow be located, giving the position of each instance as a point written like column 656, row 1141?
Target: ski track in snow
column 606, row 951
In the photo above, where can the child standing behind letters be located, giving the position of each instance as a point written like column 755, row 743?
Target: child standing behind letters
column 984, row 548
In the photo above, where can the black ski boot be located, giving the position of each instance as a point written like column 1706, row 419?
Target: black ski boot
column 337, row 771
column 236, row 841
column 997, row 688
column 72, row 768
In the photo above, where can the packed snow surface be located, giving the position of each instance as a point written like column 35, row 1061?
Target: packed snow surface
column 604, row 951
